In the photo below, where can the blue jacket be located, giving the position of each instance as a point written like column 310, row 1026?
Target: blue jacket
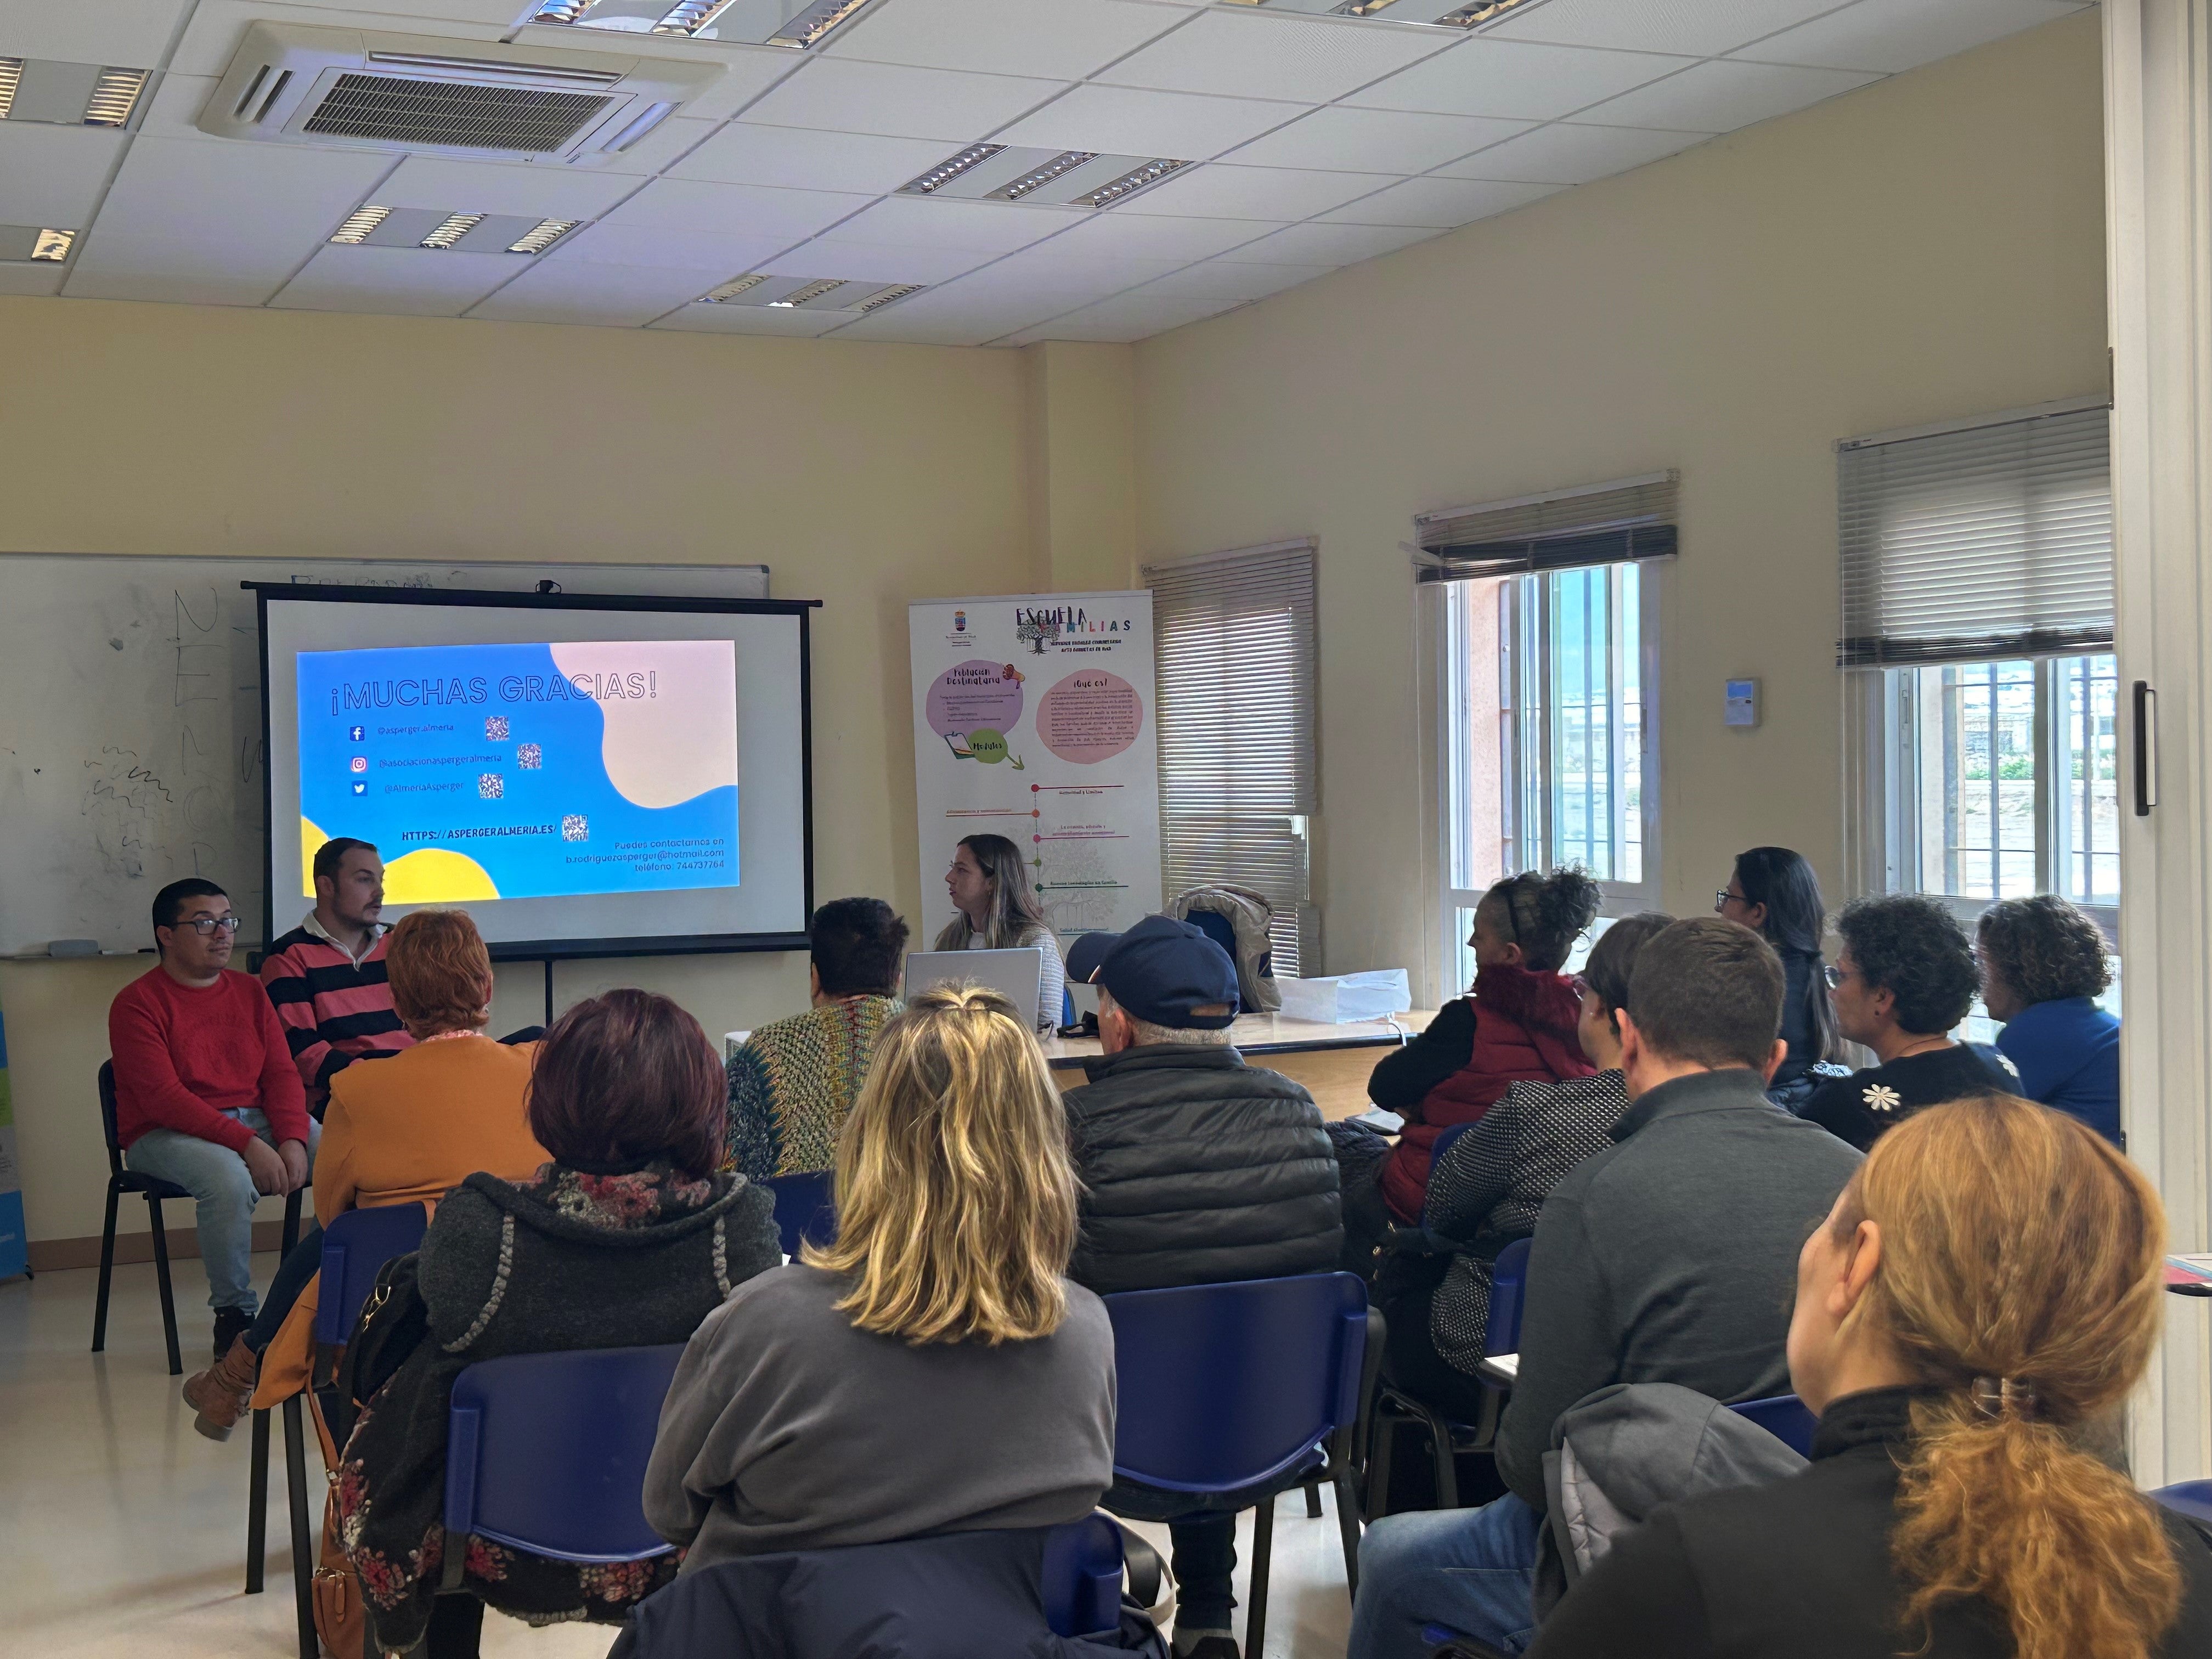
column 2068, row 1053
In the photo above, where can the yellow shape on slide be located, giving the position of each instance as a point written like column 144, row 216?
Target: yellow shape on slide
column 429, row 875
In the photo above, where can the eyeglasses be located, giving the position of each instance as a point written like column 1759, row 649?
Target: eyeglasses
column 205, row 925
column 1580, row 987
column 1835, row 977
column 1722, row 899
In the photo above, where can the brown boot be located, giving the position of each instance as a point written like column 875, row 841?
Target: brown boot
column 220, row 1395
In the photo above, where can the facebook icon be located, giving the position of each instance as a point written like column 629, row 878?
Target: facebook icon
column 354, row 733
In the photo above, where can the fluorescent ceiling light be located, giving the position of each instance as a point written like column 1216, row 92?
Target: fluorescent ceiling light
column 1032, row 177
column 11, row 76
column 821, row 294
column 1130, row 182
column 796, row 24
column 53, row 245
column 946, row 171
column 731, row 289
column 363, row 220
column 896, row 291
column 814, row 290
column 456, row 226
column 1066, row 162
column 1441, row 14
column 549, row 231
column 815, row 21
column 114, row 96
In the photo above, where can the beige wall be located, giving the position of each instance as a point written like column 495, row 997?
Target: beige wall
column 1931, row 246
column 865, row 475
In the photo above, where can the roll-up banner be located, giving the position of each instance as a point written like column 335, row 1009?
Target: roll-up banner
column 14, row 1247
column 1033, row 719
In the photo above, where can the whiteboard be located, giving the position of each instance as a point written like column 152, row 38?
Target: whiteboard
column 130, row 721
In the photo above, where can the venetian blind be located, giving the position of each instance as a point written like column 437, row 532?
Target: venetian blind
column 1237, row 667
column 1990, row 541
column 1566, row 530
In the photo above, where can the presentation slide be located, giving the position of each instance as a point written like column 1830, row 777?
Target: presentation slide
column 581, row 774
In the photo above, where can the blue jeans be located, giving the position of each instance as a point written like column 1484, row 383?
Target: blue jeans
column 1472, row 1570
column 218, row 1179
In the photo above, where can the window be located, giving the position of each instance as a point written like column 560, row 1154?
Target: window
column 1237, row 669
column 1546, row 696
column 1978, row 608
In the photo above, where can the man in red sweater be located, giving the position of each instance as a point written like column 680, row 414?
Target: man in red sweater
column 206, row 1094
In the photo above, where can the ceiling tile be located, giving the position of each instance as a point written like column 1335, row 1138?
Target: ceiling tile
column 436, row 181
column 662, row 147
column 747, row 71
column 396, row 282
column 1327, row 244
column 499, row 14
column 997, row 301
column 1700, row 28
column 900, row 326
column 1250, row 55
column 1440, row 203
column 1722, row 96
column 733, row 209
column 134, row 33
column 875, row 262
column 1085, row 276
column 1891, row 35
column 795, row 158
column 842, row 95
column 1132, row 317
column 218, row 26
column 1125, row 121
column 1065, row 40
column 1219, row 279
column 38, row 277
column 207, row 271
column 1563, row 153
column 576, row 291
column 54, row 176
column 176, row 105
column 750, row 319
column 986, row 227
column 1148, row 236
column 714, row 255
column 176, row 187
column 1343, row 140
column 1518, row 79
column 1221, row 192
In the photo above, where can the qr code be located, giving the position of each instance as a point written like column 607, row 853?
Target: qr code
column 576, row 827
column 490, row 785
column 495, row 729
column 530, row 757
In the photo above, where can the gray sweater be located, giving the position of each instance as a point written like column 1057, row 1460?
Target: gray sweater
column 786, row 1429
column 1669, row 1257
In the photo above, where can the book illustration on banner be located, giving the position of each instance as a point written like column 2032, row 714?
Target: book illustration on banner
column 972, row 706
column 524, row 770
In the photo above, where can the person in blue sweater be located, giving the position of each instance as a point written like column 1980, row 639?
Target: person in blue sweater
column 2043, row 965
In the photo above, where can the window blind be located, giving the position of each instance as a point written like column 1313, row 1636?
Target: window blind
column 1237, row 673
column 1985, row 541
column 1566, row 530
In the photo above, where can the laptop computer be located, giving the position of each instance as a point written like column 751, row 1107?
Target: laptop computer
column 1014, row 974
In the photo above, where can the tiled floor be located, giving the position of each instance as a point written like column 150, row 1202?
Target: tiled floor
column 123, row 1533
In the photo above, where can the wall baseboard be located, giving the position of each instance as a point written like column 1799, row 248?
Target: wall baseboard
column 58, row 1254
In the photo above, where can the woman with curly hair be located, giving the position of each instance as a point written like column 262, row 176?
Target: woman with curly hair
column 2043, row 965
column 1904, row 977
column 1985, row 1290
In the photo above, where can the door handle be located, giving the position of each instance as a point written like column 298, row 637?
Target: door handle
column 2146, row 700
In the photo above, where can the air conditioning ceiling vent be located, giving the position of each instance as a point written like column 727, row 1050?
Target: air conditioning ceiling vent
column 320, row 86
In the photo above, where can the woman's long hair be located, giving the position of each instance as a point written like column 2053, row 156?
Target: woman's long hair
column 2019, row 1281
column 955, row 1197
column 1797, row 923
column 1015, row 912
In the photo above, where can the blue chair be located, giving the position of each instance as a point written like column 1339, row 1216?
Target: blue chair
column 356, row 1247
column 1784, row 1416
column 806, row 1208
column 1081, row 1577
column 2190, row 1499
column 1241, row 1392
column 546, row 1453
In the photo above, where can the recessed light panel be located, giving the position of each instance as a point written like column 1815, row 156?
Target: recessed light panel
column 1444, row 14
column 19, row 243
column 59, row 93
column 835, row 294
column 797, row 24
column 1040, row 177
column 438, row 230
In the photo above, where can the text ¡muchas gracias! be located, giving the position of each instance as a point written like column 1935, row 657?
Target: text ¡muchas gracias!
column 513, row 688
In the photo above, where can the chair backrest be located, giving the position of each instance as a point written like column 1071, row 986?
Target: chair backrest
column 356, row 1247
column 1082, row 1577
column 1223, row 1386
column 1217, row 928
column 1508, row 1286
column 1784, row 1416
column 1445, row 1142
column 546, row 1452
column 107, row 1117
column 806, row 1208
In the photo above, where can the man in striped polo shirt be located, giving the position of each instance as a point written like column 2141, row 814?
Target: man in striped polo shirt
column 326, row 976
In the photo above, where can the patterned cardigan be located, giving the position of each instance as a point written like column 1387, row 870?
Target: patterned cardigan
column 793, row 1082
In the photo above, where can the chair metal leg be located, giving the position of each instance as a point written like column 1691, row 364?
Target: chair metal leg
column 303, row 1565
column 1313, row 1500
column 162, row 1272
column 106, row 1271
column 1347, row 1526
column 1255, row 1616
column 256, row 1506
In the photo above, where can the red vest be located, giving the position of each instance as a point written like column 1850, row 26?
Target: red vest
column 1524, row 1032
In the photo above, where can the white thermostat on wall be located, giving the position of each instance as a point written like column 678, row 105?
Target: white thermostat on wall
column 1743, row 703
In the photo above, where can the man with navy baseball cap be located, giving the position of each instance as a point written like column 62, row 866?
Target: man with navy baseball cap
column 1196, row 1170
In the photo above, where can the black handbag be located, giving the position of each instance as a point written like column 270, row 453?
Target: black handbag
column 394, row 1321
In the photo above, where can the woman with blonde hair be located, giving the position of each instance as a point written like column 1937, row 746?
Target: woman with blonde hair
column 1985, row 1290
column 931, row 1372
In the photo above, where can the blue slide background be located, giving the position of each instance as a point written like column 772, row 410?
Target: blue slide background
column 449, row 751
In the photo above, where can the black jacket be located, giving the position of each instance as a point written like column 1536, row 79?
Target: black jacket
column 1199, row 1169
column 1862, row 1107
column 1801, row 1570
